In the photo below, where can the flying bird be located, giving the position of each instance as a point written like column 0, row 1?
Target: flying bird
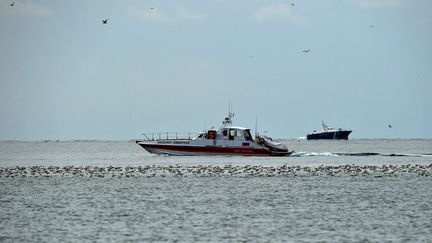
column 390, row 126
column 12, row 4
column 105, row 21
column 307, row 50
column 151, row 8
column 292, row 4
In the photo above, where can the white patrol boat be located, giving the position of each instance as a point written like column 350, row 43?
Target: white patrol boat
column 228, row 140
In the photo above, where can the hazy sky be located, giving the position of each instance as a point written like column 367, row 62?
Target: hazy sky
column 166, row 65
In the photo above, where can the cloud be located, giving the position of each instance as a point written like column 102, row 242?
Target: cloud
column 29, row 8
column 148, row 15
column 379, row 3
column 279, row 11
column 156, row 15
column 185, row 14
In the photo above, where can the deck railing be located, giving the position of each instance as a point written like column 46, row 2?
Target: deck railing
column 168, row 136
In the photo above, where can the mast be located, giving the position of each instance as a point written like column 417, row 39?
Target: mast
column 324, row 126
column 256, row 126
column 228, row 119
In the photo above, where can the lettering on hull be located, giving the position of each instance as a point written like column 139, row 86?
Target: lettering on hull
column 200, row 150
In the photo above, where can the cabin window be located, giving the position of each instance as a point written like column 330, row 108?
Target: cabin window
column 238, row 134
column 232, row 134
column 225, row 132
column 247, row 135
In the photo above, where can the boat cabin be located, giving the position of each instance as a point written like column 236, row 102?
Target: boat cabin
column 227, row 133
column 237, row 133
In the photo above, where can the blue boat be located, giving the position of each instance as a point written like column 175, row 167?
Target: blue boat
column 329, row 133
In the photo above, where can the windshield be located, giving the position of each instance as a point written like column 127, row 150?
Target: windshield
column 247, row 135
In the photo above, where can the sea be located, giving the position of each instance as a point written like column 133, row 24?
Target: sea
column 359, row 190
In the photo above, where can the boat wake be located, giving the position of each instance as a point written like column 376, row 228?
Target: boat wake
column 305, row 154
column 363, row 154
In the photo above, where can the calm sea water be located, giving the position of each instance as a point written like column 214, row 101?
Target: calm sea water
column 375, row 207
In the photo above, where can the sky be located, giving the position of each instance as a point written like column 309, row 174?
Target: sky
column 174, row 66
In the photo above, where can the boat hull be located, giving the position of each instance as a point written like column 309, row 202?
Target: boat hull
column 342, row 134
column 206, row 150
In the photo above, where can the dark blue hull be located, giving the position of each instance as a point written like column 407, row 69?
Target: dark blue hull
column 342, row 134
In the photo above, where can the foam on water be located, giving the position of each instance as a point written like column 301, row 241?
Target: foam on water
column 302, row 154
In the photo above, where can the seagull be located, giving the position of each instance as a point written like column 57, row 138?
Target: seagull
column 105, row 21
column 307, row 50
column 12, row 4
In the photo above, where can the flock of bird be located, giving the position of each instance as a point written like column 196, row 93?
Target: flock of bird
column 150, row 171
column 306, row 51
column 105, row 21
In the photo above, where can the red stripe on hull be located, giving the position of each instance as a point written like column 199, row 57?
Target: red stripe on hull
column 211, row 150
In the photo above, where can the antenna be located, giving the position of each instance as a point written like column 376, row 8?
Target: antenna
column 324, row 126
column 228, row 119
column 256, row 126
column 230, row 107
